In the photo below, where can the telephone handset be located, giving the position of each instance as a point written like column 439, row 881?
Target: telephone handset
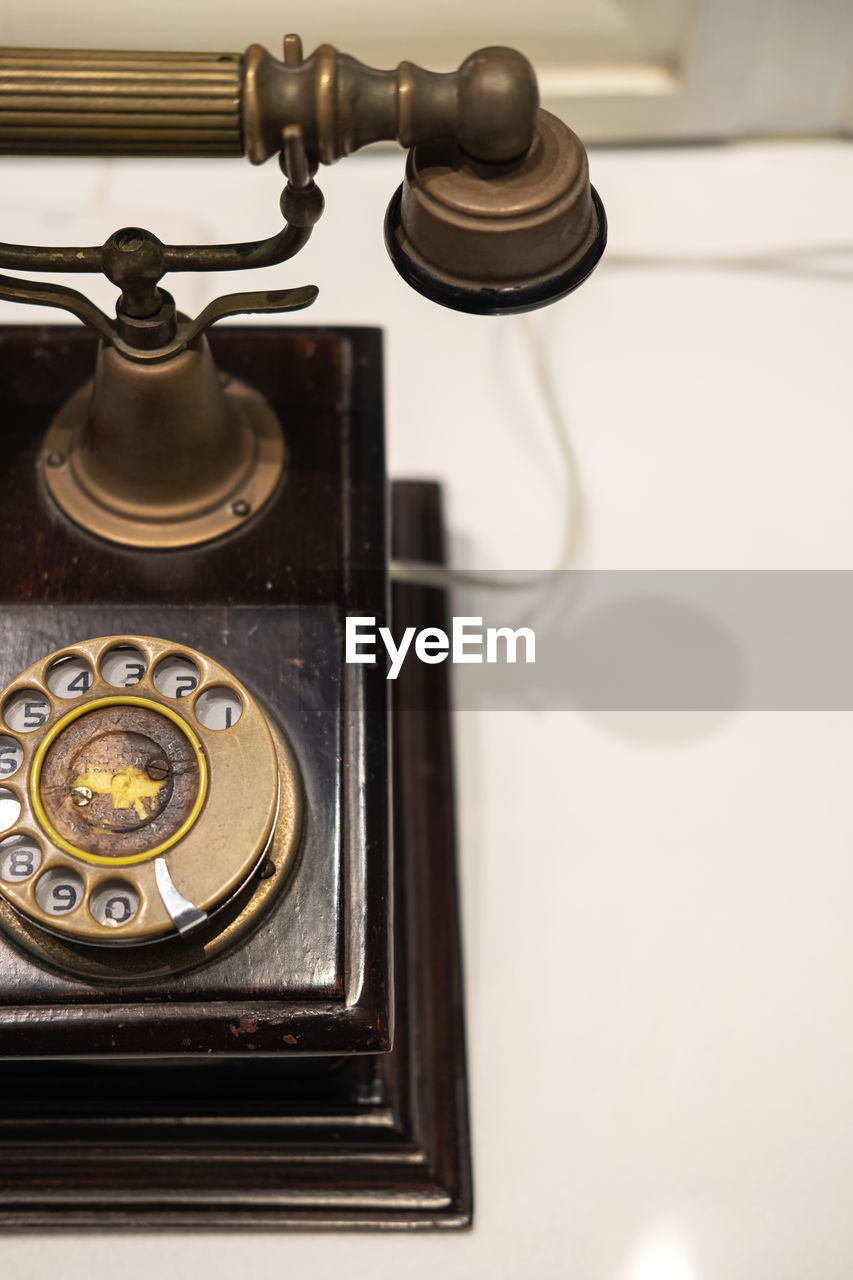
column 143, row 787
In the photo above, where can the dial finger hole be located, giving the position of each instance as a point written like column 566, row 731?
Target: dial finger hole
column 20, row 858
column 59, row 891
column 219, row 708
column 26, row 710
column 70, row 677
column 10, row 808
column 123, row 666
column 11, row 756
column 114, row 903
column 175, row 677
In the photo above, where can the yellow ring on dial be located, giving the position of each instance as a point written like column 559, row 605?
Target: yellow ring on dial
column 118, row 701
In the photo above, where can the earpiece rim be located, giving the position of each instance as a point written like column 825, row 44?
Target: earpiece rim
column 492, row 301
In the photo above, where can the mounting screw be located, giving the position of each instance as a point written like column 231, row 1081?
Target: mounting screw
column 267, row 869
column 54, row 459
column 158, row 769
column 81, row 796
column 241, row 507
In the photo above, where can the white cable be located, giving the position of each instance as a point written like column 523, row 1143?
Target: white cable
column 797, row 260
column 425, row 574
column 821, row 261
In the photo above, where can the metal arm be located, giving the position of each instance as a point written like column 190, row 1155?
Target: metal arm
column 148, row 326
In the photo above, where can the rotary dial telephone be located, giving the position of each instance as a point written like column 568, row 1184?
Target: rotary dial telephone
column 228, row 911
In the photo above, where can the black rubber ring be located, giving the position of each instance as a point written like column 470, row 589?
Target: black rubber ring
column 492, row 302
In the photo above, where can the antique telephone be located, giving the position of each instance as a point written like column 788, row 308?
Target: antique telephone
column 203, row 949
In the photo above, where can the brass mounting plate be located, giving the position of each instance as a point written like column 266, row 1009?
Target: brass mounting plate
column 97, row 510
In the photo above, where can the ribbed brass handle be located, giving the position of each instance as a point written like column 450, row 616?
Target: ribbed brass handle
column 73, row 102
column 62, row 101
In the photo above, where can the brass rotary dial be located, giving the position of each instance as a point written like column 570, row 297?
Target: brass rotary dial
column 140, row 787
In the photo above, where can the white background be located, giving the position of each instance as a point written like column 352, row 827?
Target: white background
column 664, row 903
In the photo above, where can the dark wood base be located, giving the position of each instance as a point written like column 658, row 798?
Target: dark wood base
column 372, row 1140
column 313, row 976
column 256, row 1088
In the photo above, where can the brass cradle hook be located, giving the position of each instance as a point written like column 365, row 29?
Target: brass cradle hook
column 135, row 261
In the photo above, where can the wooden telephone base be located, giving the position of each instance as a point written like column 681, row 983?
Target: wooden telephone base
column 231, row 1095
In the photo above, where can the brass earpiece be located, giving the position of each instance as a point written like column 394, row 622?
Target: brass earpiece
column 497, row 238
